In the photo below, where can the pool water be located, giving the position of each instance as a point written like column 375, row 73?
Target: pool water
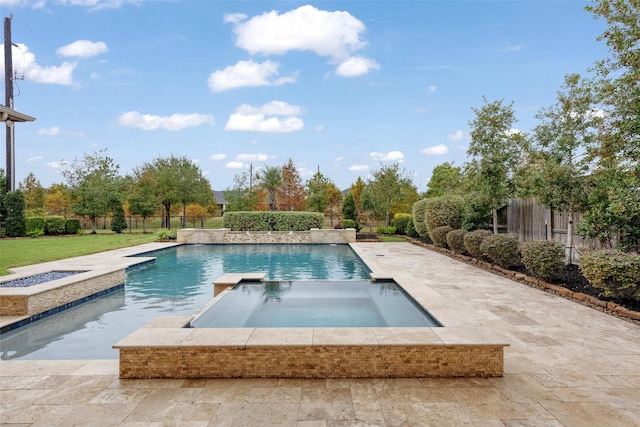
column 290, row 304
column 178, row 283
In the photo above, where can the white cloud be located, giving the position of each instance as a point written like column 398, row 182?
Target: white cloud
column 24, row 64
column 431, row 89
column 391, row 156
column 338, row 159
column 356, row 66
column 263, row 118
column 255, row 157
column 234, row 18
column 458, row 135
column 33, row 159
column 436, row 150
column 513, row 131
column 319, row 128
column 332, row 34
column 83, row 48
column 94, row 5
column 56, row 165
column 220, row 156
column 358, row 168
column 511, row 48
column 173, row 122
column 247, row 74
column 234, row 165
column 52, row 131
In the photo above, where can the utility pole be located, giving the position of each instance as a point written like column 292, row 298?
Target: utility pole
column 8, row 102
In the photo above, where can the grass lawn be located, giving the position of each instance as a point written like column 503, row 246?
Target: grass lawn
column 389, row 238
column 26, row 251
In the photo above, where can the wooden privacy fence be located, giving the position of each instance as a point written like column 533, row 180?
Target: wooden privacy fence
column 529, row 220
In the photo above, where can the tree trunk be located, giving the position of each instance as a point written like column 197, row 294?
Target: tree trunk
column 569, row 245
column 494, row 212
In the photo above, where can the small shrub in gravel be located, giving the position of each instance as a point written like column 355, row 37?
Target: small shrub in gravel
column 502, row 249
column 543, row 258
column 439, row 235
column 614, row 271
column 473, row 240
column 455, row 240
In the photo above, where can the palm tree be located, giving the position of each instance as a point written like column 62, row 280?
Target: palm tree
column 271, row 181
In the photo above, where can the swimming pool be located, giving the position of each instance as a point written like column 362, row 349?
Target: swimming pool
column 178, row 283
column 316, row 304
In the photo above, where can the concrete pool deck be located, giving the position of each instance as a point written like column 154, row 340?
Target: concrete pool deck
column 567, row 364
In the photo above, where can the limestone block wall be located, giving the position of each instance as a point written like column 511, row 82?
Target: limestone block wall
column 224, row 235
column 32, row 300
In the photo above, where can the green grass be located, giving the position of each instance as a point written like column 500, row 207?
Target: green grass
column 27, row 251
column 389, row 238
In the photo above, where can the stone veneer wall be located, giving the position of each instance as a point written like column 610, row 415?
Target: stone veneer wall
column 37, row 299
column 312, row 362
column 224, row 235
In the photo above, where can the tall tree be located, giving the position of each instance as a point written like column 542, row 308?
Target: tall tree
column 317, row 192
column 446, row 179
column 242, row 196
column 143, row 200
column 34, row 194
column 291, row 195
column 614, row 202
column 58, row 200
column 357, row 188
column 557, row 173
column 178, row 180
column 334, row 196
column 389, row 185
column 271, row 181
column 495, row 151
column 349, row 207
column 94, row 184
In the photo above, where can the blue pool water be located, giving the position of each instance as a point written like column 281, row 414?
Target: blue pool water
column 287, row 304
column 179, row 283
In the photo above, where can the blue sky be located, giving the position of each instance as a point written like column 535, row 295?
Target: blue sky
column 344, row 86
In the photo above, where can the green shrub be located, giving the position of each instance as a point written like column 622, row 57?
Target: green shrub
column 72, row 226
column 477, row 212
column 15, row 204
column 439, row 235
column 455, row 240
column 35, row 226
column 165, row 234
column 272, row 221
column 54, row 225
column 473, row 240
column 543, row 258
column 445, row 210
column 349, row 223
column 386, row 230
column 501, row 249
column 411, row 231
column 418, row 217
column 118, row 221
column 400, row 221
column 614, row 271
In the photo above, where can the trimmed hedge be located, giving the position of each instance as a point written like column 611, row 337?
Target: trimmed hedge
column 445, row 210
column 272, row 221
column 455, row 240
column 15, row 205
column 54, row 225
column 614, row 271
column 543, row 258
column 502, row 249
column 349, row 223
column 72, row 226
column 418, row 217
column 35, row 226
column 473, row 240
column 439, row 236
column 400, row 221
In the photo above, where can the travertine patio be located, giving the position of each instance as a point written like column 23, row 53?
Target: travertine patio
column 566, row 365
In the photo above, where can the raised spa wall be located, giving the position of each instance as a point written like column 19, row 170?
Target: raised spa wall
column 225, row 235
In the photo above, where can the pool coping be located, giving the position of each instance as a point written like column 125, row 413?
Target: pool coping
column 168, row 348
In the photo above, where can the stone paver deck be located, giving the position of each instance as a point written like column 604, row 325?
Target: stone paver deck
column 567, row 365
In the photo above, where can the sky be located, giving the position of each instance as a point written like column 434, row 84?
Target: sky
column 344, row 87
